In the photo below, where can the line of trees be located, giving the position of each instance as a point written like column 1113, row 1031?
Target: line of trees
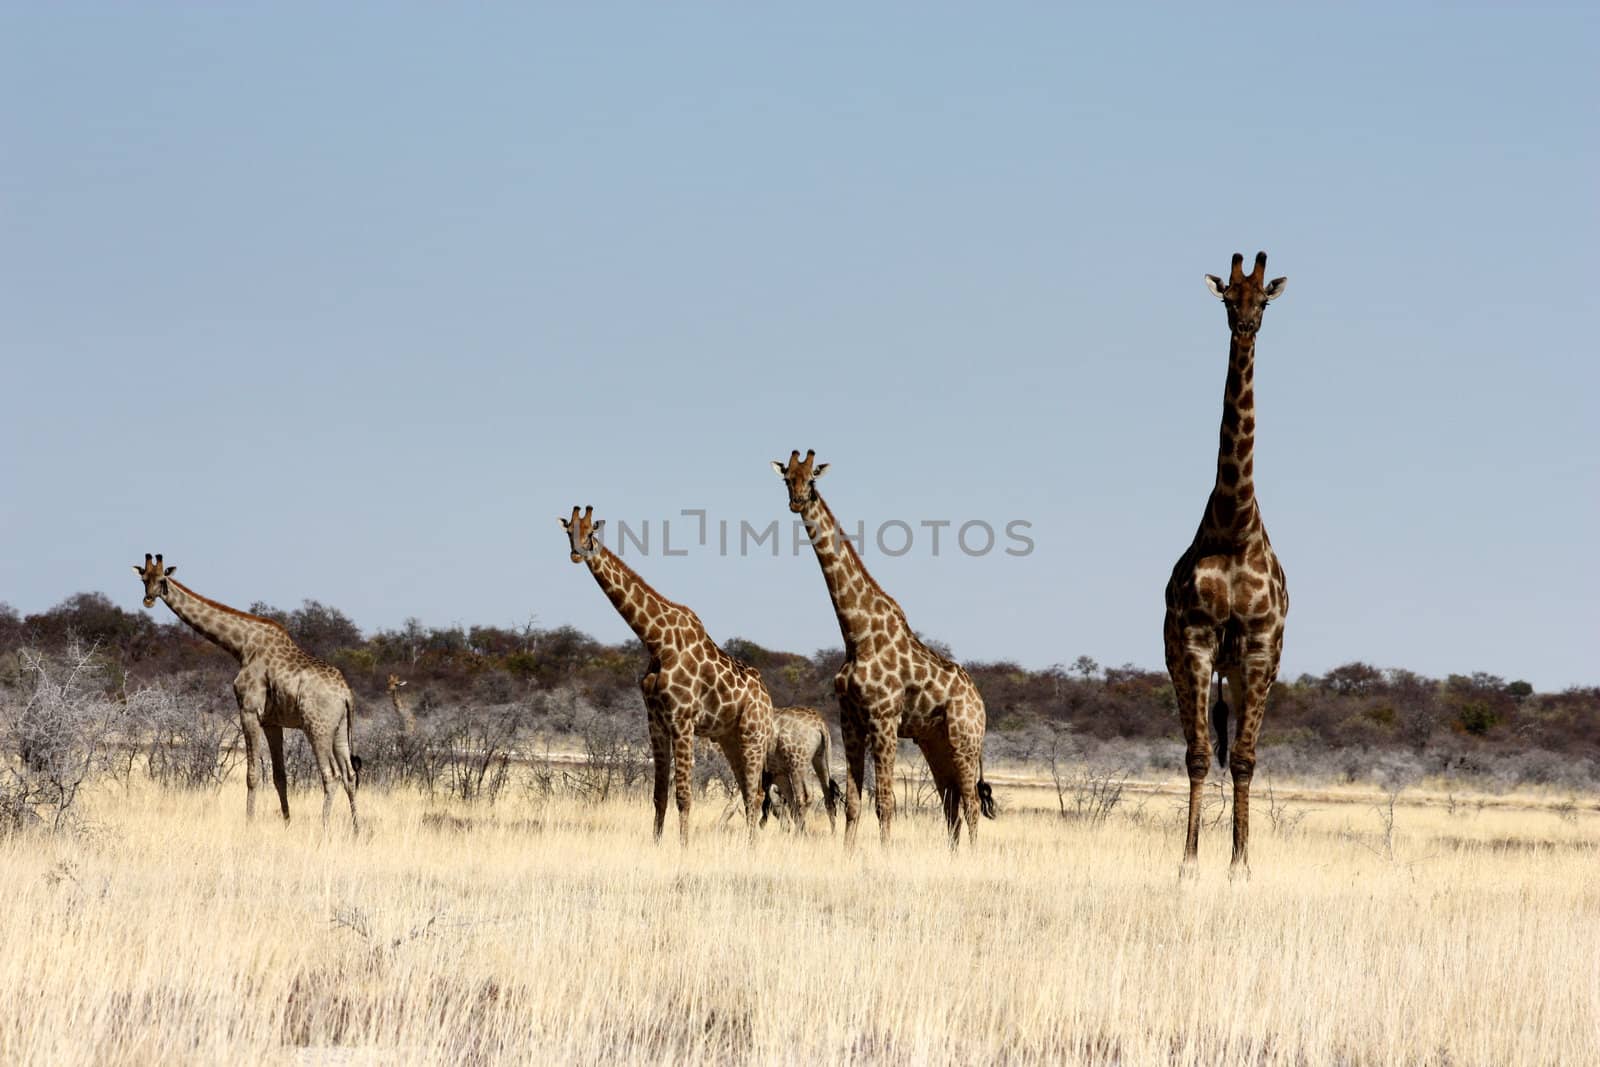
column 1467, row 723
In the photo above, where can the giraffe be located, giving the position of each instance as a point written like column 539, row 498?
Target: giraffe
column 799, row 736
column 691, row 684
column 891, row 685
column 278, row 686
column 1227, row 599
column 404, row 717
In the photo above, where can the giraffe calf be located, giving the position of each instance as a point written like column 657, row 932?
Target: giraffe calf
column 799, row 736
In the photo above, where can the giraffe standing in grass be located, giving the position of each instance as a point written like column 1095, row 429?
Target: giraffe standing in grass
column 278, row 686
column 891, row 685
column 1227, row 599
column 691, row 686
column 799, row 737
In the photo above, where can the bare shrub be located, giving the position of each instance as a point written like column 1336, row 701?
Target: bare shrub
column 1285, row 820
column 476, row 749
column 1084, row 791
column 1382, row 845
column 1089, row 794
column 916, row 787
column 55, row 737
column 613, row 760
column 186, row 744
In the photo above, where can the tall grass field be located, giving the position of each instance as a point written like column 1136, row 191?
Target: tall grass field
column 169, row 931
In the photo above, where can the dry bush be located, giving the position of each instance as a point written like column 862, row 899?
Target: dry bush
column 187, row 744
column 476, row 747
column 57, row 732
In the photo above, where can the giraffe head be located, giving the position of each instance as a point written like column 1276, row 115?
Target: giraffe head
column 800, row 475
column 583, row 533
column 395, row 682
column 154, row 575
column 1246, row 295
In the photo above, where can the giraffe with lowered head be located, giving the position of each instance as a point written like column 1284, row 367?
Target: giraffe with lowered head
column 891, row 685
column 691, row 686
column 278, row 686
column 1227, row 599
column 799, row 737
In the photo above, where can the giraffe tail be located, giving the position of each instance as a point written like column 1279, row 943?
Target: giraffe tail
column 985, row 794
column 1219, row 727
column 832, row 795
column 350, row 738
column 766, row 796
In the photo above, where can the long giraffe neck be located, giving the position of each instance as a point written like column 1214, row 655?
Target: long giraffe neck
column 647, row 613
column 857, row 599
column 1232, row 510
column 234, row 630
column 402, row 714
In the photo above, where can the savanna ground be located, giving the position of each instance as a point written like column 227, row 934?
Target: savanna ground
column 1444, row 930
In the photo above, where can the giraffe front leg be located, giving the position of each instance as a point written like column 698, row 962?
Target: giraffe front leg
column 683, row 779
column 661, row 754
column 280, row 770
column 1255, row 680
column 1189, row 659
column 855, row 774
column 885, row 741
column 254, row 742
column 250, row 690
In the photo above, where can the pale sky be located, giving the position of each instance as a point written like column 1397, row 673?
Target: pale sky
column 351, row 302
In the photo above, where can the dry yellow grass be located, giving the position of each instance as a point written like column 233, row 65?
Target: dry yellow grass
column 173, row 933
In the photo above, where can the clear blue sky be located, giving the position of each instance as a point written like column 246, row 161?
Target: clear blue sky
column 351, row 302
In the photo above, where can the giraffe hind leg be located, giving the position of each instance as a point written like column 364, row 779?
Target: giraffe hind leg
column 344, row 765
column 941, row 764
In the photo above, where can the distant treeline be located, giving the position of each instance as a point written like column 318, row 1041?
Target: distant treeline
column 1465, row 721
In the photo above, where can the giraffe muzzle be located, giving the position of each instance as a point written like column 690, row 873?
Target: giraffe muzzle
column 149, row 601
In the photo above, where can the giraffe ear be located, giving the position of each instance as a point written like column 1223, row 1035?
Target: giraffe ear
column 1214, row 283
column 783, row 472
column 565, row 524
column 597, row 527
column 1275, row 288
column 821, row 469
column 138, row 570
column 172, row 569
